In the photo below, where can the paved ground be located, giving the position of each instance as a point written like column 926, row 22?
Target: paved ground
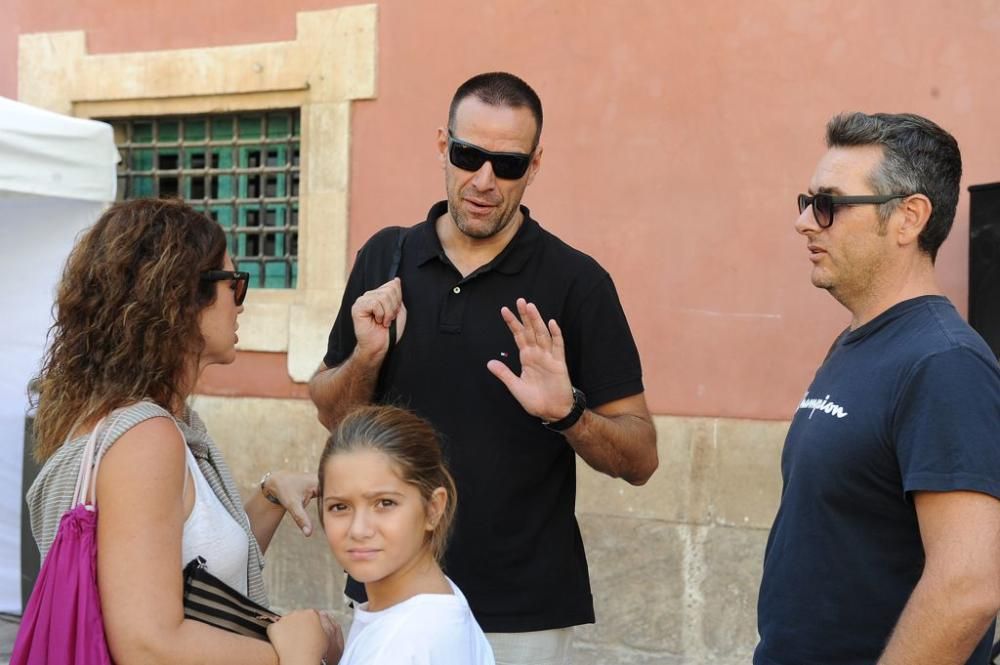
column 8, row 631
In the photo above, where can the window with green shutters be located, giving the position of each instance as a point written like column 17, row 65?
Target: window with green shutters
column 241, row 169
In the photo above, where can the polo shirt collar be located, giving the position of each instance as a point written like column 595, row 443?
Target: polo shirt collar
column 510, row 261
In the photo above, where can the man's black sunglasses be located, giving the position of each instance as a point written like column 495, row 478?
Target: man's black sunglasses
column 468, row 157
column 823, row 204
column 241, row 280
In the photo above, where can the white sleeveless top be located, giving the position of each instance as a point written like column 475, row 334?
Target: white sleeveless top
column 212, row 533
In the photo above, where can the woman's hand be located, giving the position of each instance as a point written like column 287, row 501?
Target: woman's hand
column 300, row 638
column 294, row 490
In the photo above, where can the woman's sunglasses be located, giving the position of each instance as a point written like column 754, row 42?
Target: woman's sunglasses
column 468, row 157
column 241, row 280
column 823, row 204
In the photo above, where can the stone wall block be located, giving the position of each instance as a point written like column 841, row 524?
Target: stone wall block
column 259, row 434
column 679, row 490
column 350, row 35
column 301, row 572
column 733, row 561
column 638, row 586
column 43, row 61
column 586, row 653
column 262, row 326
column 748, row 485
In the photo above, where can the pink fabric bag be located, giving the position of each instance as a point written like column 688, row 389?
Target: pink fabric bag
column 62, row 623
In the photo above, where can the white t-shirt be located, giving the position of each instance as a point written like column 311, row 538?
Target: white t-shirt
column 428, row 629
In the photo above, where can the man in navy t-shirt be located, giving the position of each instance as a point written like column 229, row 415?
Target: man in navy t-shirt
column 886, row 546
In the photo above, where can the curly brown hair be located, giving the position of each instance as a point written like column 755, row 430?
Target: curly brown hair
column 127, row 315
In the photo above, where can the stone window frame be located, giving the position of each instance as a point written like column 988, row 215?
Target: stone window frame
column 330, row 63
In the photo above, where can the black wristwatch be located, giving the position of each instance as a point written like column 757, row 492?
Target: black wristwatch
column 579, row 406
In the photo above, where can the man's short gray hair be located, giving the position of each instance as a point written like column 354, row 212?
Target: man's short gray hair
column 918, row 158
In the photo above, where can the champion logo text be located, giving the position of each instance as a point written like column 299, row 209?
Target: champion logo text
column 823, row 405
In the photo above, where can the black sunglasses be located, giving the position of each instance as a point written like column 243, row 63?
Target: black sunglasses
column 823, row 204
column 468, row 157
column 241, row 280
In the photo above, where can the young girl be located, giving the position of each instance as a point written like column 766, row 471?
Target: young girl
column 387, row 503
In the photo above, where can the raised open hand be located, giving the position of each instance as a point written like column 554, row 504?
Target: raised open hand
column 543, row 388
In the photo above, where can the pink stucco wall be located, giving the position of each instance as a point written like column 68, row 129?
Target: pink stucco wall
column 677, row 135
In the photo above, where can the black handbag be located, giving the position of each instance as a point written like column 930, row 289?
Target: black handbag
column 210, row 600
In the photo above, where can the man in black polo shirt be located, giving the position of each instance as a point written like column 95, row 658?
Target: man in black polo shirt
column 515, row 346
column 886, row 546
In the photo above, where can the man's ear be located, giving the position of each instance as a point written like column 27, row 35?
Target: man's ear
column 442, row 145
column 915, row 211
column 536, row 163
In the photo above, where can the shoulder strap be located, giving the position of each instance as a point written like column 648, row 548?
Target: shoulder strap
column 397, row 256
column 84, row 477
column 90, row 463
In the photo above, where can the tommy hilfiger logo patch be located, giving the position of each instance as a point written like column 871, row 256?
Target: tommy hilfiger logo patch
column 823, row 405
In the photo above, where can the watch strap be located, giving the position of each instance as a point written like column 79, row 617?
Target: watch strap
column 579, row 406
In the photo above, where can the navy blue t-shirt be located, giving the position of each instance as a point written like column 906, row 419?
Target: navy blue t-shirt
column 910, row 401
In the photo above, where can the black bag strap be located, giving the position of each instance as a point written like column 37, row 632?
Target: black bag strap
column 397, row 256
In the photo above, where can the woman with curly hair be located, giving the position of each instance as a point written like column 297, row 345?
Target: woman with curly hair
column 148, row 299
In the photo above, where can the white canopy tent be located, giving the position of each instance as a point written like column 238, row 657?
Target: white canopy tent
column 57, row 174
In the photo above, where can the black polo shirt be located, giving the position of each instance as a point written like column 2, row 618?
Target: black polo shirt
column 516, row 550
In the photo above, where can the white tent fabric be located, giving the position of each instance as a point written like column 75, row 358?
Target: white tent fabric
column 48, row 154
column 56, row 175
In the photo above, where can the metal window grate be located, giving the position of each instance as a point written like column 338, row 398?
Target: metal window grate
column 242, row 169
